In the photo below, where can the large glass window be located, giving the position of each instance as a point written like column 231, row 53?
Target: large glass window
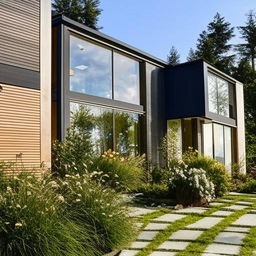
column 102, row 126
column 109, row 126
column 218, row 95
column 207, row 137
column 217, row 143
column 127, row 132
column 90, row 68
column 126, row 79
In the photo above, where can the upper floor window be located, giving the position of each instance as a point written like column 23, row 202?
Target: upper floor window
column 91, row 72
column 220, row 96
column 90, row 68
column 126, row 79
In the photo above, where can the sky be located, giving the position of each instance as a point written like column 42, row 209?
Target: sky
column 155, row 25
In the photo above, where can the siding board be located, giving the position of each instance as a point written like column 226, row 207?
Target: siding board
column 20, row 33
column 20, row 126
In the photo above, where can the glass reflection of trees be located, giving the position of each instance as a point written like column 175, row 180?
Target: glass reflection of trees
column 125, row 126
column 218, row 94
column 126, row 132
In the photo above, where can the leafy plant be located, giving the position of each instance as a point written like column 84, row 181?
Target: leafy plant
column 117, row 172
column 99, row 208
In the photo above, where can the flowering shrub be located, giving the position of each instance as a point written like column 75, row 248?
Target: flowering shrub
column 32, row 221
column 117, row 172
column 190, row 185
column 98, row 208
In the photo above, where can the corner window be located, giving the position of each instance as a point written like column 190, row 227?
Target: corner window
column 126, row 79
column 90, row 68
column 220, row 96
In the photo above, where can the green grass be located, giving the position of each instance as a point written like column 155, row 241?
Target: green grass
column 198, row 246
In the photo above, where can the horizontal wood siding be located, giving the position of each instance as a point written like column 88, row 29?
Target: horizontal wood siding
column 20, row 33
column 20, row 126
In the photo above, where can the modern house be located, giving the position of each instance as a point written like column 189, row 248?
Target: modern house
column 134, row 97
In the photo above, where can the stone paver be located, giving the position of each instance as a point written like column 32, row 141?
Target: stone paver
column 223, row 249
column 215, row 204
column 237, row 229
column 147, row 235
column 235, row 207
column 230, row 238
column 138, row 211
column 205, row 223
column 139, row 245
column 246, row 220
column 173, row 245
column 213, row 254
column 226, row 200
column 128, row 252
column 169, row 217
column 156, row 226
column 221, row 213
column 159, row 253
column 244, row 203
column 193, row 210
column 190, row 235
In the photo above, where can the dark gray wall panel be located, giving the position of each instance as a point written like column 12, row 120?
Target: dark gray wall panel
column 185, row 91
column 18, row 76
column 20, row 33
column 156, row 124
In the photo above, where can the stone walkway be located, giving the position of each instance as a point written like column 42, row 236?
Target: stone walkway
column 227, row 242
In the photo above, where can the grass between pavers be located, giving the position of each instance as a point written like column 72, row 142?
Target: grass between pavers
column 164, row 235
column 249, row 243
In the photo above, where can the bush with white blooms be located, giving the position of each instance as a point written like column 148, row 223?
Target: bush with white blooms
column 191, row 186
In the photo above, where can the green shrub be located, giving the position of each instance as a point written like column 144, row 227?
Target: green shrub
column 75, row 153
column 117, row 172
column 155, row 191
column 160, row 175
column 247, row 187
column 216, row 171
column 100, row 208
column 32, row 221
column 190, row 186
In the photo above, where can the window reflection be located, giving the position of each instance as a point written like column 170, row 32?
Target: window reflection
column 102, row 128
column 126, row 133
column 218, row 95
column 90, row 68
column 228, row 147
column 207, row 137
column 126, row 79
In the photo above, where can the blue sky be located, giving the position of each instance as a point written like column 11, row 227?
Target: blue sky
column 155, row 25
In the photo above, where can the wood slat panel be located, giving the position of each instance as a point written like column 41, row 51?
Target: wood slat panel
column 20, row 125
column 20, row 33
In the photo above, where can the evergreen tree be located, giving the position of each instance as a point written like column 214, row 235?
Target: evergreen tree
column 213, row 44
column 173, row 57
column 248, row 32
column 83, row 11
column 191, row 55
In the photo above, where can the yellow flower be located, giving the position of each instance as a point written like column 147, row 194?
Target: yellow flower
column 18, row 224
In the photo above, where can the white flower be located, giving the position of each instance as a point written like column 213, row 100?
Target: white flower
column 29, row 193
column 18, row 224
column 7, row 223
column 53, row 184
column 61, row 198
column 9, row 189
column 78, row 200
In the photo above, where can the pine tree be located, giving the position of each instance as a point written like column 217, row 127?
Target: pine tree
column 248, row 32
column 213, row 44
column 173, row 57
column 191, row 55
column 83, row 11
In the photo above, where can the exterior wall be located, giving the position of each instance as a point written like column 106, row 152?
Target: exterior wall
column 25, row 68
column 20, row 125
column 155, row 123
column 241, row 154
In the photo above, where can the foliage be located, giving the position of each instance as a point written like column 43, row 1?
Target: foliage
column 33, row 222
column 98, row 208
column 117, row 172
column 248, row 33
column 216, row 171
column 191, row 55
column 75, row 153
column 154, row 191
column 160, row 175
column 248, row 187
column 190, row 185
column 213, row 44
column 173, row 57
column 84, row 11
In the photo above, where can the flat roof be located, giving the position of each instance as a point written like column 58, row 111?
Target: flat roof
column 62, row 19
